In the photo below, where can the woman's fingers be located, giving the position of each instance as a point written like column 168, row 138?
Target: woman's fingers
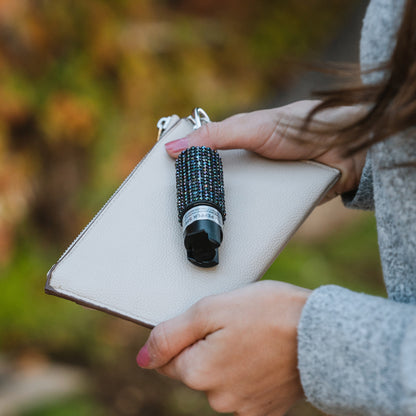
column 243, row 131
column 266, row 132
column 169, row 338
column 271, row 133
column 193, row 367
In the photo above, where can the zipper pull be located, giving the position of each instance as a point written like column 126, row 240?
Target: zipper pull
column 162, row 125
column 198, row 117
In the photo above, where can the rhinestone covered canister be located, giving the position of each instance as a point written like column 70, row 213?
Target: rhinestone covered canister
column 199, row 180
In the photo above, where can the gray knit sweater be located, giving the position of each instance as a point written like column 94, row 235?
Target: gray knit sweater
column 357, row 353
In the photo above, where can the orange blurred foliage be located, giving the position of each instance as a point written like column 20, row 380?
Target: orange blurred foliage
column 84, row 83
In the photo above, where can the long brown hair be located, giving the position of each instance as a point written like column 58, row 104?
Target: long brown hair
column 391, row 102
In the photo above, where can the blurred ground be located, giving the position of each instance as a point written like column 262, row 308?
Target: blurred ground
column 82, row 86
column 30, row 380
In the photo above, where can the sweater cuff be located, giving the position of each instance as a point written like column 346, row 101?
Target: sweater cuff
column 362, row 198
column 350, row 348
column 408, row 370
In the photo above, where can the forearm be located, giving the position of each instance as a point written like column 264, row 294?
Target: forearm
column 357, row 353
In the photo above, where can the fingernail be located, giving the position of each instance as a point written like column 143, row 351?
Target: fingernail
column 176, row 146
column 143, row 357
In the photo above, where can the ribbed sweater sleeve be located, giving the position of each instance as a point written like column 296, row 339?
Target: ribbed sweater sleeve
column 357, row 353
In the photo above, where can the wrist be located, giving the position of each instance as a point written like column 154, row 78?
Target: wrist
column 351, row 170
column 287, row 304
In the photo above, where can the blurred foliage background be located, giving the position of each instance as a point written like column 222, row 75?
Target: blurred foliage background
column 82, row 85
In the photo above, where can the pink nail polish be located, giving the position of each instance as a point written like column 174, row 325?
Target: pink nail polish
column 177, row 146
column 143, row 357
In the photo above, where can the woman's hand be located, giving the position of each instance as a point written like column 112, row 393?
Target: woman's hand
column 239, row 347
column 269, row 132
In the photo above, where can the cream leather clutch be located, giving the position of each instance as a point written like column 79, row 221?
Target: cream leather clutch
column 130, row 260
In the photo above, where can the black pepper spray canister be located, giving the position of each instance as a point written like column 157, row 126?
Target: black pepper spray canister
column 201, row 206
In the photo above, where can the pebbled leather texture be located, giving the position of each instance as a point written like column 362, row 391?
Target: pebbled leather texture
column 131, row 261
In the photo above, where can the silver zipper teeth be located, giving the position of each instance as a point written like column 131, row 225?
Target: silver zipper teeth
column 111, row 198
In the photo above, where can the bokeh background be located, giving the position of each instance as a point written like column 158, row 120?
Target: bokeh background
column 82, row 85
